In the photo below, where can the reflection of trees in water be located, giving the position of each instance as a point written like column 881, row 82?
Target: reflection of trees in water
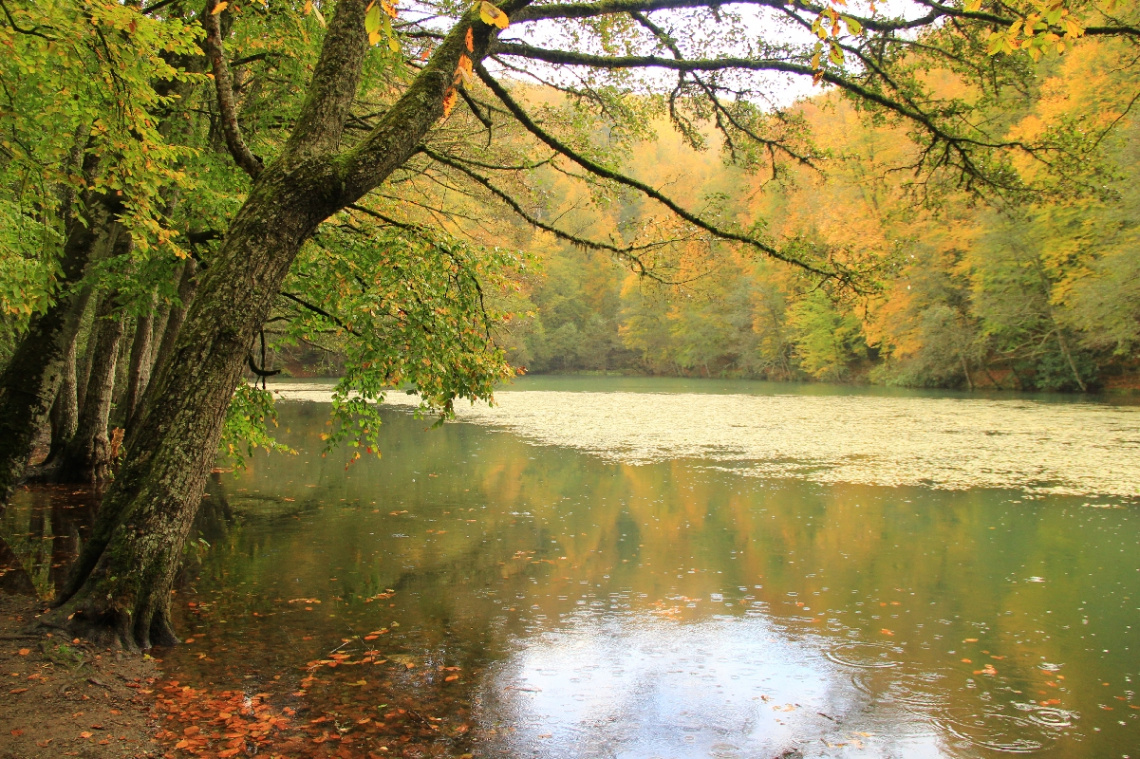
column 40, row 535
column 483, row 535
column 13, row 577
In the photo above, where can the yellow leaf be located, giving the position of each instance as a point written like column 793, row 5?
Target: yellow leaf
column 373, row 38
column 320, row 18
column 393, row 44
column 492, row 15
column 973, row 5
column 308, row 7
column 219, row 8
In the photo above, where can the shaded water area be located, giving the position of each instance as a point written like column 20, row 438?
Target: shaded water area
column 611, row 568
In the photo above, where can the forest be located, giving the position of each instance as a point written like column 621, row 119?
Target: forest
column 441, row 195
column 968, row 294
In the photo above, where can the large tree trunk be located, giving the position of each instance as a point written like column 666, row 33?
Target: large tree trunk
column 122, row 580
column 88, row 454
column 128, row 565
column 30, row 381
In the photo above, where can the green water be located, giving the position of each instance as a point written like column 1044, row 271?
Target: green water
column 539, row 585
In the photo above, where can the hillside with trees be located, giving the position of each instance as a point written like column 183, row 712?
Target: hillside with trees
column 1008, row 294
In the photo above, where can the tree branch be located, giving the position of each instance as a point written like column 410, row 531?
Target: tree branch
column 601, row 171
column 224, row 89
column 333, row 86
column 318, row 311
column 628, row 252
column 31, row 31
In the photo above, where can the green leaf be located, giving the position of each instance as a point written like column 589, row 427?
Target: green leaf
column 835, row 55
column 372, row 20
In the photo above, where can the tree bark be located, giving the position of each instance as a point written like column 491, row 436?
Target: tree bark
column 88, row 454
column 122, row 580
column 187, row 287
column 30, row 381
column 138, row 374
column 65, row 409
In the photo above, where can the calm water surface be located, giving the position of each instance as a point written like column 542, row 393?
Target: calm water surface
column 644, row 568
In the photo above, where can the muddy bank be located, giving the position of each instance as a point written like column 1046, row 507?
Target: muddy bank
column 61, row 698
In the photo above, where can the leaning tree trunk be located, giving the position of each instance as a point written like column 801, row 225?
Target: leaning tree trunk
column 30, row 381
column 121, row 584
column 87, row 457
column 128, row 566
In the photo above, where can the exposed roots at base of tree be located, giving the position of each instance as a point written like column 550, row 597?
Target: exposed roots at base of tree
column 111, row 626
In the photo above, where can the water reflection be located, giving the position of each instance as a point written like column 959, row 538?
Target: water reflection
column 473, row 593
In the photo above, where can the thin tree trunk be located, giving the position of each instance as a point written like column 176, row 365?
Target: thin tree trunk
column 138, row 375
column 187, row 286
column 966, row 372
column 65, row 410
column 88, row 455
column 161, row 317
column 30, row 381
column 1064, row 345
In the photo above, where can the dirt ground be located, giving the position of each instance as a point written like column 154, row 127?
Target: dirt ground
column 61, row 698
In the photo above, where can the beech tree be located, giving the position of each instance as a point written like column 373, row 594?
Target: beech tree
column 433, row 94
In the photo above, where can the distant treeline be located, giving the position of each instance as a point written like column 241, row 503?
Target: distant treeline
column 1029, row 291
column 1037, row 294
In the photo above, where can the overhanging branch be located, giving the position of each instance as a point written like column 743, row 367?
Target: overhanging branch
column 601, row 171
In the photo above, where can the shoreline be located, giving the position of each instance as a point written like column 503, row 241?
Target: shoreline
column 69, row 698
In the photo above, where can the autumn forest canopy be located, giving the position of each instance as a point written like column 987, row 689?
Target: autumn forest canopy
column 434, row 194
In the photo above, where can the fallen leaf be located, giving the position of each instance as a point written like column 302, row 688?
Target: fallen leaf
column 24, row 651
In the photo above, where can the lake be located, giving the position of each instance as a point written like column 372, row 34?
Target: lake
column 601, row 567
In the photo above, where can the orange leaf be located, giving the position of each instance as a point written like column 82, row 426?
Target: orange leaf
column 24, row 651
column 85, row 735
column 449, row 101
column 885, row 631
column 469, row 38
